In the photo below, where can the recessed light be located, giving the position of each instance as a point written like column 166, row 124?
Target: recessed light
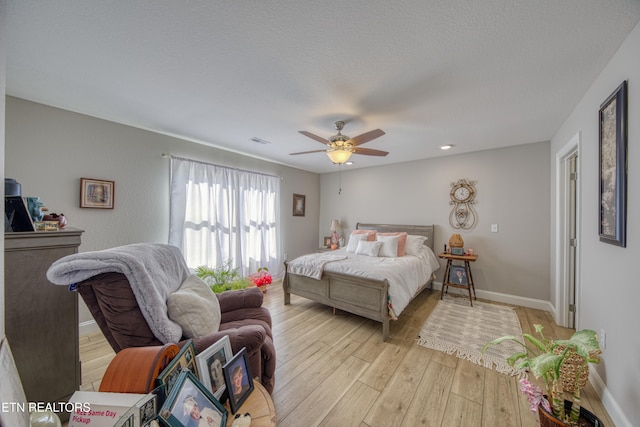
column 446, row 147
column 349, row 163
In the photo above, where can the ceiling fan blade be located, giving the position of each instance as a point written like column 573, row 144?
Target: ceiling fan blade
column 316, row 137
column 366, row 137
column 370, row 152
column 307, row 152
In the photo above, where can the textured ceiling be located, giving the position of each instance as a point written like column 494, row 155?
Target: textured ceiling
column 476, row 74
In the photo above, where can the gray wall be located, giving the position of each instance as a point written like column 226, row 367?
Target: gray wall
column 3, row 63
column 48, row 150
column 512, row 190
column 609, row 289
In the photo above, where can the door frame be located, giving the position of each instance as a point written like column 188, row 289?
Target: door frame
column 573, row 147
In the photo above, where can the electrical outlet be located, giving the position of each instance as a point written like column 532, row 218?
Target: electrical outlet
column 494, row 228
column 603, row 339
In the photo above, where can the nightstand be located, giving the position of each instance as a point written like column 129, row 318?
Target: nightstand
column 458, row 276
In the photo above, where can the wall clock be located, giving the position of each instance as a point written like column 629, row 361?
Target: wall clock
column 462, row 196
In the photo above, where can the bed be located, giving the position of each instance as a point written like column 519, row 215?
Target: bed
column 366, row 294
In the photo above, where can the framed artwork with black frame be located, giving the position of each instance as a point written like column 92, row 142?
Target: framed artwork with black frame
column 210, row 362
column 184, row 360
column 237, row 376
column 458, row 275
column 613, row 168
column 190, row 401
column 299, row 202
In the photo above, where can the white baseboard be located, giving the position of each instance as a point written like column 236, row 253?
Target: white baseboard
column 88, row 327
column 612, row 407
column 508, row 299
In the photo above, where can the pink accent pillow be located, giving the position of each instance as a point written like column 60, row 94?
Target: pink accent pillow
column 371, row 234
column 402, row 241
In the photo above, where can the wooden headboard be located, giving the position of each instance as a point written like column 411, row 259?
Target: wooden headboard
column 419, row 230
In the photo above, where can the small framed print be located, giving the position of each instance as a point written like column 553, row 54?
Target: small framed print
column 327, row 241
column 190, row 403
column 458, row 275
column 96, row 193
column 210, row 362
column 299, row 202
column 457, row 251
column 184, row 360
column 237, row 376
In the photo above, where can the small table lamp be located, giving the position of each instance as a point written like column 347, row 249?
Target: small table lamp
column 335, row 236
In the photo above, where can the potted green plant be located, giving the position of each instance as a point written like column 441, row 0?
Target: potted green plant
column 562, row 365
column 222, row 278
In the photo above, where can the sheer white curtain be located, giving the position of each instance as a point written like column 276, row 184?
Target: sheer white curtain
column 220, row 213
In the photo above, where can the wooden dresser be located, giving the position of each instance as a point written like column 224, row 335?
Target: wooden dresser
column 41, row 319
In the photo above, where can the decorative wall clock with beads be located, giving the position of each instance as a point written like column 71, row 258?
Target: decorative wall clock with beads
column 462, row 195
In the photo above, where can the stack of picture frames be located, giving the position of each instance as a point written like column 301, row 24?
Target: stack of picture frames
column 196, row 387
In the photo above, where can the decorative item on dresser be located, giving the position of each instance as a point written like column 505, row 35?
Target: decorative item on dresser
column 42, row 319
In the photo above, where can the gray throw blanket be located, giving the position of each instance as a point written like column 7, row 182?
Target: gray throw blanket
column 154, row 272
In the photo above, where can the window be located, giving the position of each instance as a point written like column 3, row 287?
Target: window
column 220, row 213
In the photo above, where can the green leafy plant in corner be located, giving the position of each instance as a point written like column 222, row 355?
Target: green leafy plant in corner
column 222, row 278
column 545, row 357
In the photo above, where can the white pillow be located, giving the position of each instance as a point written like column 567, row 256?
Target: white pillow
column 368, row 248
column 415, row 244
column 353, row 241
column 195, row 308
column 389, row 247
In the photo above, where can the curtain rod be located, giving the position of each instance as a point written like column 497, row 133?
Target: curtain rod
column 169, row 156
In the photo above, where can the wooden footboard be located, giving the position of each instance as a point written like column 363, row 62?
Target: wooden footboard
column 364, row 297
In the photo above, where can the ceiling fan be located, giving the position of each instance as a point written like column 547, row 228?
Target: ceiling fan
column 340, row 147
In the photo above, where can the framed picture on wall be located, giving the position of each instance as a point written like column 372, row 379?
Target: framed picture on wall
column 298, row 204
column 96, row 193
column 613, row 168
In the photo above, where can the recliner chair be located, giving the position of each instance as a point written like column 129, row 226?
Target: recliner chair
column 113, row 305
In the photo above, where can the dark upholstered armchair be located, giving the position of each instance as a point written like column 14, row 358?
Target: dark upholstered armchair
column 113, row 305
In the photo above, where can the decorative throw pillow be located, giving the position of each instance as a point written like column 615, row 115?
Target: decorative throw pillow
column 414, row 244
column 352, row 245
column 402, row 241
column 389, row 247
column 368, row 248
column 371, row 234
column 195, row 308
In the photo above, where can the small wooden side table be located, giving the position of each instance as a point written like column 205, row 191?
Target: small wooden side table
column 466, row 282
column 259, row 405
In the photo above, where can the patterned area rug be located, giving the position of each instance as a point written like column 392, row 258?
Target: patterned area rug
column 456, row 327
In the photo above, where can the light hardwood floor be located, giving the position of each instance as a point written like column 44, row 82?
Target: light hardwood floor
column 334, row 370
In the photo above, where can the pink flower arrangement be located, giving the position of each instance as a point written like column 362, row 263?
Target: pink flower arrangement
column 261, row 278
column 534, row 395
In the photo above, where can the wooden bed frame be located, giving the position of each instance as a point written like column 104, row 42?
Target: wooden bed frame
column 357, row 295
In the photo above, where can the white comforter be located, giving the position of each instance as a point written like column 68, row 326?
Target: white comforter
column 405, row 274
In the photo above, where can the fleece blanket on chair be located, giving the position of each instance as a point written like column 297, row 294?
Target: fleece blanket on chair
column 154, row 272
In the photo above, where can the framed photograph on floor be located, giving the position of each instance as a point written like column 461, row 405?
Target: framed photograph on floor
column 190, row 403
column 210, row 362
column 184, row 360
column 613, row 168
column 237, row 376
column 96, row 193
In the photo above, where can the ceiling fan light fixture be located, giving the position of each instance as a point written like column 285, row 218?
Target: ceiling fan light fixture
column 339, row 156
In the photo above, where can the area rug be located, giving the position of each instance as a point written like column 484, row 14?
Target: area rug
column 454, row 327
